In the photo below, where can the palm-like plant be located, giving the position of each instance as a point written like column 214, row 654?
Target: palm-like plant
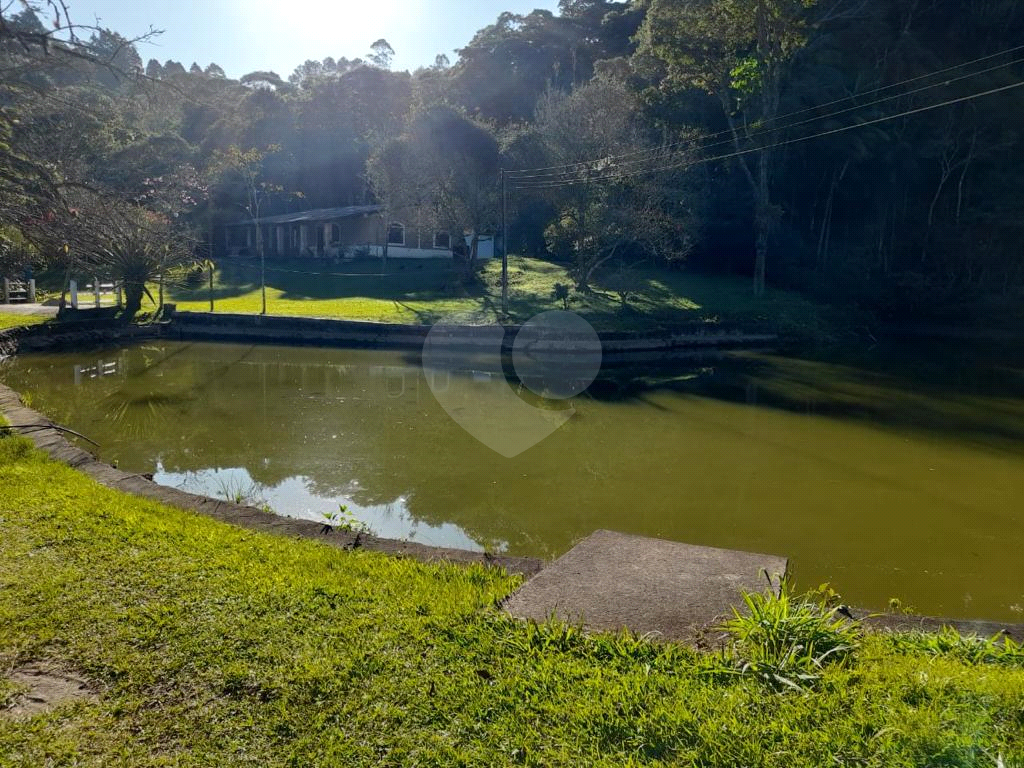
column 130, row 243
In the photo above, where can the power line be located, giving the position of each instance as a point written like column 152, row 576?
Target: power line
column 739, row 153
column 799, row 112
column 516, row 174
column 755, row 134
column 612, row 177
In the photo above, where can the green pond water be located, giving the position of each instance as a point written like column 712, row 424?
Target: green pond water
column 889, row 473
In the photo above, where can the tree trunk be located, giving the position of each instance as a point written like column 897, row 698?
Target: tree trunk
column 762, row 224
column 585, row 282
column 471, row 259
column 133, row 292
column 67, row 285
column 826, row 224
column 759, row 187
column 263, row 267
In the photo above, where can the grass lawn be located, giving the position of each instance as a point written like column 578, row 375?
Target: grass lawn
column 414, row 291
column 213, row 646
column 11, row 320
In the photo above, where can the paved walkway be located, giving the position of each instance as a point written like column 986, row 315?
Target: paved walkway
column 28, row 309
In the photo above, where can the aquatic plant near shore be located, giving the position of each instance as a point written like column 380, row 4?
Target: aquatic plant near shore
column 240, row 492
column 345, row 520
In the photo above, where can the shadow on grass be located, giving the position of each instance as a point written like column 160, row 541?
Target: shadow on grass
column 319, row 281
column 657, row 298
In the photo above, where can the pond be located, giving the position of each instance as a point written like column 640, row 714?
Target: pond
column 887, row 472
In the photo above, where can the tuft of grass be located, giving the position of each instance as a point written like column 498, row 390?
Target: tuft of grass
column 212, row 645
column 238, row 491
column 970, row 649
column 786, row 641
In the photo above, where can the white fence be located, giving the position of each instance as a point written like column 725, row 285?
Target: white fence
column 96, row 294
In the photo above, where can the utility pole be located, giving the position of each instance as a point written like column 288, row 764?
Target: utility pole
column 263, row 264
column 504, row 246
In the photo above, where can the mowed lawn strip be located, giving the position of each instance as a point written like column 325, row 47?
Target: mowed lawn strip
column 11, row 320
column 212, row 645
column 425, row 291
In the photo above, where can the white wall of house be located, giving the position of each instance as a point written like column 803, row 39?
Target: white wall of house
column 485, row 250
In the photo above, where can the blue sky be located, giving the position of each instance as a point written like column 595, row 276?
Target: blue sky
column 246, row 35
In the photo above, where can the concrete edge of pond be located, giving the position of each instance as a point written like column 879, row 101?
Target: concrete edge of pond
column 617, row 346
column 40, row 338
column 905, row 622
column 352, row 333
column 52, row 442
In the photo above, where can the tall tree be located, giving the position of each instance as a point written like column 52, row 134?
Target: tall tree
column 244, row 170
column 738, row 51
column 442, row 173
column 381, row 54
column 605, row 210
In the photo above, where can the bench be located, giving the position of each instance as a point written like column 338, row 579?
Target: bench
column 16, row 291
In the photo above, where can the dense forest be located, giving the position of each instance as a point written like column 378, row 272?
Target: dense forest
column 865, row 152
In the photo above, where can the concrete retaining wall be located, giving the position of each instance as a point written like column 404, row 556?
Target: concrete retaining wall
column 312, row 331
column 71, row 335
column 348, row 333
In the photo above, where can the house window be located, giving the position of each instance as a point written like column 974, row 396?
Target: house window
column 442, row 240
column 396, row 234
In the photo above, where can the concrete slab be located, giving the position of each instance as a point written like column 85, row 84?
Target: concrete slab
column 674, row 591
column 28, row 309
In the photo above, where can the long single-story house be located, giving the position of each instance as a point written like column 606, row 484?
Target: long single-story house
column 344, row 233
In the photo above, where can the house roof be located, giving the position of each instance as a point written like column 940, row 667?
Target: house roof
column 316, row 214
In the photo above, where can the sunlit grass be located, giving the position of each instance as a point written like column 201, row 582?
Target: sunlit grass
column 413, row 292
column 11, row 320
column 211, row 645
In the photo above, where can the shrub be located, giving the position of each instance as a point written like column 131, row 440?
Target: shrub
column 560, row 292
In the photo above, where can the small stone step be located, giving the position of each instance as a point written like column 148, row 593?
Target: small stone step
column 675, row 591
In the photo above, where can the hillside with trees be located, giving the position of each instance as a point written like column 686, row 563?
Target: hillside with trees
column 862, row 152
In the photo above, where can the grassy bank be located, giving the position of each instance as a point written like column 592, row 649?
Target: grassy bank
column 210, row 645
column 11, row 320
column 423, row 291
